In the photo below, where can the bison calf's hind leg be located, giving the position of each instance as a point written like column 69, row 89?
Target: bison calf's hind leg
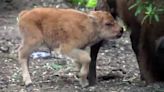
column 24, row 51
column 83, row 58
column 23, row 60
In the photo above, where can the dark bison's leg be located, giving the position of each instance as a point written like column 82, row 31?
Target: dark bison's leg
column 144, row 65
column 92, row 68
column 150, row 64
column 135, row 37
column 158, row 63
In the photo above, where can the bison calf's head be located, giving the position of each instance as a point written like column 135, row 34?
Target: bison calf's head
column 108, row 26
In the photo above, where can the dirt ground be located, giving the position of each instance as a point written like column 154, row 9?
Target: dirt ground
column 117, row 69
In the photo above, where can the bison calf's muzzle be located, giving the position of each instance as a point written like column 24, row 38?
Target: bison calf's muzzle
column 120, row 34
column 66, row 31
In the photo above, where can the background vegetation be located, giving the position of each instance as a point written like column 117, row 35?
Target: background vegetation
column 148, row 7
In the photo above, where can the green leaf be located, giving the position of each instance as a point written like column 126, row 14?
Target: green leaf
column 79, row 2
column 160, row 10
column 139, row 10
column 150, row 19
column 56, row 66
column 91, row 3
column 156, row 18
column 132, row 6
column 149, row 8
column 143, row 20
column 137, row 3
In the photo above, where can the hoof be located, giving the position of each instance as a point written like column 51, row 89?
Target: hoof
column 29, row 87
column 84, row 83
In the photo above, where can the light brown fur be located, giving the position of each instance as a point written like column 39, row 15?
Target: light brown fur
column 66, row 30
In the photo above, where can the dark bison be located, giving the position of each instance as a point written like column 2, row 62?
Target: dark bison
column 147, row 40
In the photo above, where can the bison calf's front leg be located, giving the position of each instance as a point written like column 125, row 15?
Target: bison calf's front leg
column 83, row 59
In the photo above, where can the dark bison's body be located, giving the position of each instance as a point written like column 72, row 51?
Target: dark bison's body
column 147, row 39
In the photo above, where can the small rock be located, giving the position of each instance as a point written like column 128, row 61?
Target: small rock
column 4, row 49
column 43, row 55
column 92, row 89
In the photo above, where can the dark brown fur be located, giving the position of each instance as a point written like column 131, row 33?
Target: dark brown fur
column 146, row 39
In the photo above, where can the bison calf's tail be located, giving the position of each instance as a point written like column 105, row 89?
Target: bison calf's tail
column 21, row 14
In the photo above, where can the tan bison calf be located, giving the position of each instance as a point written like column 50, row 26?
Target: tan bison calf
column 66, row 31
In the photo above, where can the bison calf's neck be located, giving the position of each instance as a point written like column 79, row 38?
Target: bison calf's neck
column 66, row 31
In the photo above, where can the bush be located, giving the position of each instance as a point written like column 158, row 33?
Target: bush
column 84, row 3
column 151, row 10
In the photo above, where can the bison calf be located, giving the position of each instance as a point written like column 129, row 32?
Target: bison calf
column 66, row 31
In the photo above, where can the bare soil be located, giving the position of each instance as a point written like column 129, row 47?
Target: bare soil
column 117, row 68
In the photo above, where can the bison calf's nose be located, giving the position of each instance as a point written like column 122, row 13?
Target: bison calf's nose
column 121, row 32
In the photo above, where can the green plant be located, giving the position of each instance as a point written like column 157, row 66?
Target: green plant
column 56, row 66
column 79, row 2
column 53, row 66
column 85, row 3
column 150, row 10
column 91, row 3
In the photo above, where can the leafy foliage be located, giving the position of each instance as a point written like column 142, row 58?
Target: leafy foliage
column 85, row 3
column 79, row 2
column 149, row 8
column 91, row 3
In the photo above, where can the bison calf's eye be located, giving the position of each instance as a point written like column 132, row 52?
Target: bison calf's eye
column 108, row 24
